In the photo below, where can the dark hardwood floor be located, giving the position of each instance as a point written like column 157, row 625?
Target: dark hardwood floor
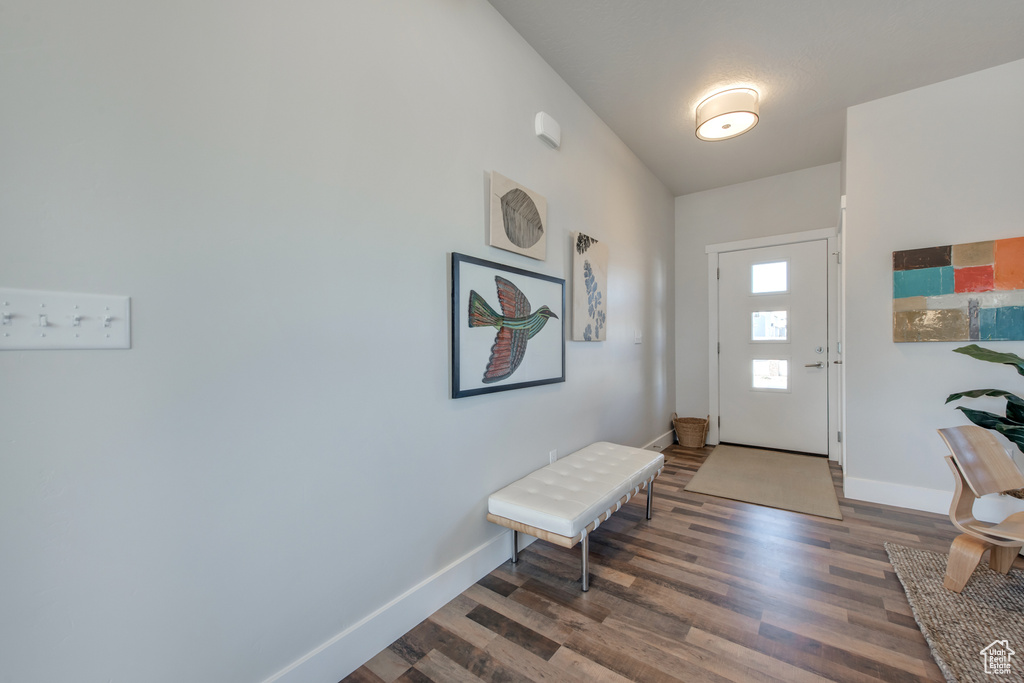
column 708, row 590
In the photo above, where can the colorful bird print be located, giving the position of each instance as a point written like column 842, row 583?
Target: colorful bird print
column 515, row 326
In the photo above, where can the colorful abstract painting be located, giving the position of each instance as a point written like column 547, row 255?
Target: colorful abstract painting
column 959, row 292
column 589, row 288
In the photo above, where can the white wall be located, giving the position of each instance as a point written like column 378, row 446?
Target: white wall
column 933, row 166
column 276, row 459
column 791, row 202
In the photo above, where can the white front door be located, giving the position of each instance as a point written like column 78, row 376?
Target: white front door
column 773, row 358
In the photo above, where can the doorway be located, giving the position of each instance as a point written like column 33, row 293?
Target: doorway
column 774, row 360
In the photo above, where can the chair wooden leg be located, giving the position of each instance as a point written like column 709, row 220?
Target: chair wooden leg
column 1002, row 557
column 964, row 555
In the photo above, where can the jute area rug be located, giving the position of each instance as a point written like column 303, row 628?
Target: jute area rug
column 959, row 628
column 800, row 483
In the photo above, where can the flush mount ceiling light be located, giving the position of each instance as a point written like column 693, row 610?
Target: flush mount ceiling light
column 727, row 114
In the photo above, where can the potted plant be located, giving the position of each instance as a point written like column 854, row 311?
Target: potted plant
column 1011, row 424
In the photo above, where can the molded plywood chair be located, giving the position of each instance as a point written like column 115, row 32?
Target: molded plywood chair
column 980, row 466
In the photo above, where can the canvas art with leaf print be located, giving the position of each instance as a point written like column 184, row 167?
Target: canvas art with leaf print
column 519, row 218
column 589, row 288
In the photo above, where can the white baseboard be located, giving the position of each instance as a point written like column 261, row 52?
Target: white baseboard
column 663, row 441
column 992, row 508
column 899, row 495
column 350, row 649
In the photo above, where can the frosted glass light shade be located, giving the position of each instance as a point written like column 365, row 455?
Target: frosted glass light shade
column 727, row 114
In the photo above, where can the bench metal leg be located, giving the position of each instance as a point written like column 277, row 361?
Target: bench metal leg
column 650, row 497
column 585, row 550
column 515, row 546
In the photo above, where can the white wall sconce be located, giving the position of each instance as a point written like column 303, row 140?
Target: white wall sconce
column 727, row 114
column 548, row 130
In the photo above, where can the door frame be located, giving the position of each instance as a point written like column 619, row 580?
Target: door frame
column 835, row 392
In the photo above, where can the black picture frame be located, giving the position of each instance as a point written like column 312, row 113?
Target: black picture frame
column 488, row 356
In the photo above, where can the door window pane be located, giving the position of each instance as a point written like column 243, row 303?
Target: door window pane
column 771, row 374
column 768, row 325
column 769, row 277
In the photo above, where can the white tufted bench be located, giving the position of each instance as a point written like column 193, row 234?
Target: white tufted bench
column 565, row 501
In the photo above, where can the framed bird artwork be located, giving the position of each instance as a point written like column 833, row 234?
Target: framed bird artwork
column 508, row 327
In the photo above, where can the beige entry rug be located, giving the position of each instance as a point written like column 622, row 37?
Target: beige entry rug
column 982, row 627
column 800, row 483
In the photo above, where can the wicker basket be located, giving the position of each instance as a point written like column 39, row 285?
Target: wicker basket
column 691, row 431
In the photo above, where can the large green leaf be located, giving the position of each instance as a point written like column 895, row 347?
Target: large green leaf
column 975, row 393
column 975, row 351
column 988, row 420
column 1011, row 430
column 1015, row 412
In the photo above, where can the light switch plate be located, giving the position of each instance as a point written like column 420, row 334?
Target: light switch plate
column 32, row 319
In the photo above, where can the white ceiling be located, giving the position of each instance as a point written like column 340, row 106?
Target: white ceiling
column 644, row 65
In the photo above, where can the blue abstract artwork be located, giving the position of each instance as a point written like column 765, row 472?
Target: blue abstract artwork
column 590, row 288
column 959, row 292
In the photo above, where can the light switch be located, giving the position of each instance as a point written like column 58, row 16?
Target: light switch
column 638, row 337
column 32, row 319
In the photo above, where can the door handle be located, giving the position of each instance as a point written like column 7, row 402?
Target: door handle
column 819, row 364
column 838, row 362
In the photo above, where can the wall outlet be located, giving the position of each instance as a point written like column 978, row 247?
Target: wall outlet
column 638, row 337
column 553, row 456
